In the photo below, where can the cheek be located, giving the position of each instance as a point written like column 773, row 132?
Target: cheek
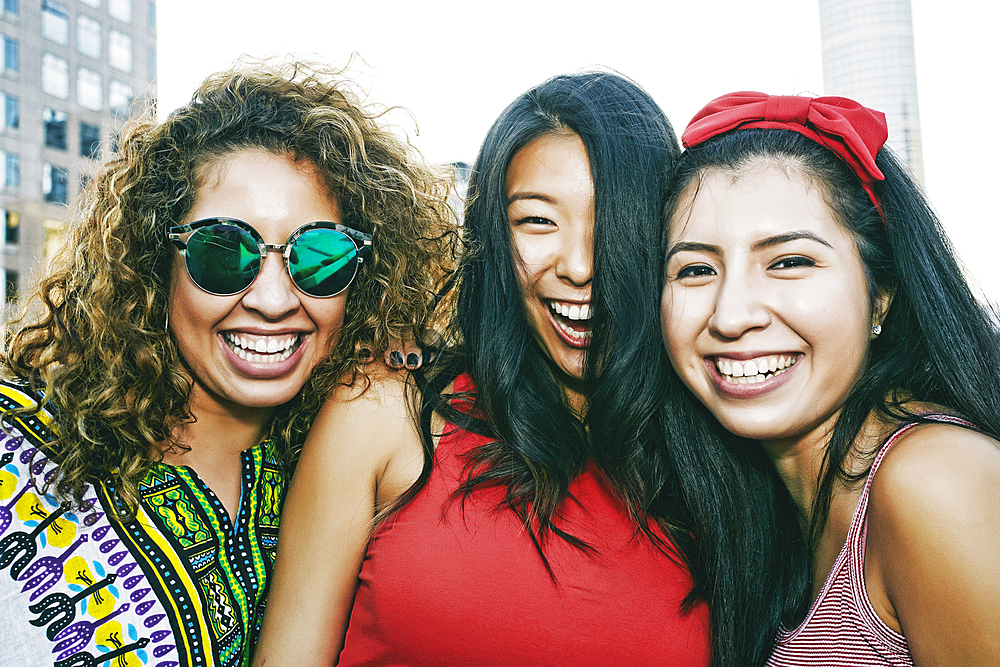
column 328, row 315
column 681, row 320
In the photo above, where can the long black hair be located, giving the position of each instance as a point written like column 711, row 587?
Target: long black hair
column 939, row 343
column 539, row 444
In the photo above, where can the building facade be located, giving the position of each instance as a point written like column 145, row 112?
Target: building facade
column 868, row 55
column 71, row 71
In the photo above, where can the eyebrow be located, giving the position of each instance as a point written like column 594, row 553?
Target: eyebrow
column 772, row 241
column 520, row 196
column 769, row 242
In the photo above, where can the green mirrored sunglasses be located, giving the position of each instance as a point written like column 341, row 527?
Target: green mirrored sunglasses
column 223, row 255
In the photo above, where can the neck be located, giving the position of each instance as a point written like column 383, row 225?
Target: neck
column 576, row 399
column 801, row 461
column 217, row 430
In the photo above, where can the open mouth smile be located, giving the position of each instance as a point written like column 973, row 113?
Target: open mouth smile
column 572, row 321
column 259, row 349
column 752, row 371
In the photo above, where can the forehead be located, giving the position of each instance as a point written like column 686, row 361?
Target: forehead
column 274, row 193
column 759, row 200
column 553, row 161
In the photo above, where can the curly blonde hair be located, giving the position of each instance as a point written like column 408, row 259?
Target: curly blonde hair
column 97, row 346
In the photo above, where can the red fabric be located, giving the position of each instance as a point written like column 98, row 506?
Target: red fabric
column 437, row 588
column 854, row 132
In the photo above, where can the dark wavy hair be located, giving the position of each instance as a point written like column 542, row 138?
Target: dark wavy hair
column 939, row 342
column 94, row 341
column 539, row 445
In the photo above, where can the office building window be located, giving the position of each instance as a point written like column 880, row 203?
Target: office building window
column 11, row 6
column 55, row 76
column 55, row 22
column 90, row 140
column 11, row 169
column 119, row 98
column 120, row 50
column 12, row 227
column 88, row 89
column 11, row 111
column 11, row 285
column 11, row 54
column 151, row 14
column 121, row 10
column 151, row 63
column 88, row 36
column 55, row 128
column 54, row 181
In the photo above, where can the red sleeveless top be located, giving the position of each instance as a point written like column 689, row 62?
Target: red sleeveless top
column 440, row 586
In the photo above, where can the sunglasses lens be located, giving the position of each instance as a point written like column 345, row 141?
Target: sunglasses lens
column 322, row 262
column 222, row 259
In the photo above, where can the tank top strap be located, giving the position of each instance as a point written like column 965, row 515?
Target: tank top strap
column 862, row 509
column 856, row 536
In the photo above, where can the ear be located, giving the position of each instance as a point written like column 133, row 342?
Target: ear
column 880, row 308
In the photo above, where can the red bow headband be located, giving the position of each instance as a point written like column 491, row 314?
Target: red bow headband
column 853, row 132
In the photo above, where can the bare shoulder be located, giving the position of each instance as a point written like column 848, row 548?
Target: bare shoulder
column 378, row 402
column 933, row 540
column 367, row 428
column 937, row 464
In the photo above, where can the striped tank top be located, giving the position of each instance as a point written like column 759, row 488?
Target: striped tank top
column 842, row 628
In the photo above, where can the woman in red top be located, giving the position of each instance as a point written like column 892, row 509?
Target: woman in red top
column 812, row 303
column 539, row 520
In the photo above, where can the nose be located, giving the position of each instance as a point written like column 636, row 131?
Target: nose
column 739, row 307
column 576, row 259
column 272, row 294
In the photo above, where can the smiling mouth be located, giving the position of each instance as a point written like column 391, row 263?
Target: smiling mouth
column 753, row 371
column 573, row 320
column 262, row 349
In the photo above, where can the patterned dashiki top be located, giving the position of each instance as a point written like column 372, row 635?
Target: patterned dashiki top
column 178, row 585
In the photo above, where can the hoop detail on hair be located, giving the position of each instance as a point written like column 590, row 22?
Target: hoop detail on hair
column 853, row 132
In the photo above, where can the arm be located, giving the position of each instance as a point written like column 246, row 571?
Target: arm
column 362, row 452
column 934, row 545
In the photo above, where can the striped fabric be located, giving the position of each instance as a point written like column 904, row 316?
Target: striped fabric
column 842, row 628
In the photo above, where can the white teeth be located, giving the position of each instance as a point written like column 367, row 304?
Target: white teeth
column 753, row 371
column 574, row 311
column 262, row 349
column 573, row 333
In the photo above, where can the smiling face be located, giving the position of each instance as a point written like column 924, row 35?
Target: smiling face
column 255, row 349
column 765, row 310
column 550, row 206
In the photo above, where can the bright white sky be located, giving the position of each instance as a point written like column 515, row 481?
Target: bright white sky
column 456, row 65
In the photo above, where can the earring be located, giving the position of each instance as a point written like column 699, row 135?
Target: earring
column 877, row 329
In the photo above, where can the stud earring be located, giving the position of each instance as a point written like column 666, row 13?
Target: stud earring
column 877, row 329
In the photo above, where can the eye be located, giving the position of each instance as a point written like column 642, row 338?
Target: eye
column 695, row 271
column 533, row 220
column 794, row 262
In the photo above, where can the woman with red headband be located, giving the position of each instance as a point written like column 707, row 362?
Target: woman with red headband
column 813, row 303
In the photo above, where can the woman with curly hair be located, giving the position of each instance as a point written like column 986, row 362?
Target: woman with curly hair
column 220, row 273
column 529, row 513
